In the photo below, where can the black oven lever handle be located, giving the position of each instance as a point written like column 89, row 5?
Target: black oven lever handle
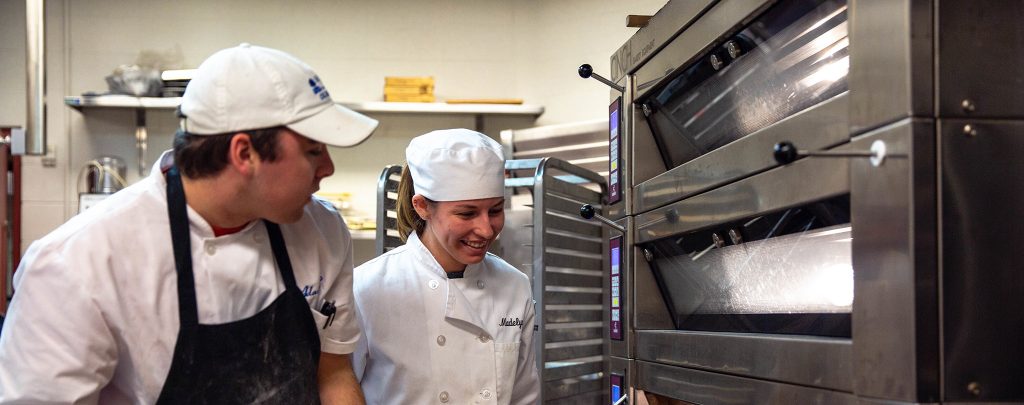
column 586, row 71
column 587, row 211
column 786, row 152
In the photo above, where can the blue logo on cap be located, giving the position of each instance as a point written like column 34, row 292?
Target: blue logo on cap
column 318, row 87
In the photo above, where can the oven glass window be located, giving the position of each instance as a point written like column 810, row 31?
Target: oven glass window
column 787, row 272
column 790, row 58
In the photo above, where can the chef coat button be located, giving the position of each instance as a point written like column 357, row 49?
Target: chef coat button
column 480, row 283
column 443, row 397
column 257, row 238
column 486, row 394
column 433, row 284
column 440, row 340
column 211, row 249
column 482, row 339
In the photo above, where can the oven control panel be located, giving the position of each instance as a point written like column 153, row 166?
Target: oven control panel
column 615, row 255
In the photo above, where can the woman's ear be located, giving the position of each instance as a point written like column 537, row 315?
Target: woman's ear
column 419, row 203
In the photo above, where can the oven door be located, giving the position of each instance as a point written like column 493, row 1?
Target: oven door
column 775, row 76
column 756, row 277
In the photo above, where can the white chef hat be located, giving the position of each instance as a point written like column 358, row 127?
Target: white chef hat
column 456, row 165
column 252, row 87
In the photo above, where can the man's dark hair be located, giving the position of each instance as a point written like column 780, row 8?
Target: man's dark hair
column 199, row 156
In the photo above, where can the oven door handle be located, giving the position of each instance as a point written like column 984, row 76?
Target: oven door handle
column 786, row 152
column 587, row 211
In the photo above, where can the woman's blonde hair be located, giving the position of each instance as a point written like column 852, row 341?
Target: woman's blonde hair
column 408, row 220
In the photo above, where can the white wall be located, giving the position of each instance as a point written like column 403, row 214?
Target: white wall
column 475, row 49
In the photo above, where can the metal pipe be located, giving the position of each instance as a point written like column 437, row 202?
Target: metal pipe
column 35, row 30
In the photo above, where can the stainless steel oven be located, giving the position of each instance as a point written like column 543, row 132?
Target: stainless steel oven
column 818, row 198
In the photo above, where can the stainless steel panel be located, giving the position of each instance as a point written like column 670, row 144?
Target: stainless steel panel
column 558, row 241
column 587, row 398
column 568, row 369
column 642, row 144
column 804, row 181
column 572, row 386
column 721, row 19
column 573, row 297
column 816, row 362
column 573, row 223
column 591, row 156
column 674, row 17
column 981, row 403
column 35, row 69
column 558, row 353
column 876, row 401
column 819, row 127
column 895, row 313
column 569, row 334
column 568, row 205
column 651, row 311
column 552, row 136
column 890, row 61
column 708, row 388
column 572, row 192
column 970, row 32
column 560, row 259
column 576, row 280
column 572, row 315
column 982, row 278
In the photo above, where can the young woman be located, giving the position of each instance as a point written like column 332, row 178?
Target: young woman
column 443, row 320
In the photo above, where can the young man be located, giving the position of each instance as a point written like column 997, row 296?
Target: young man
column 217, row 279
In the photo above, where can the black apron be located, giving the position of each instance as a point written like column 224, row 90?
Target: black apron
column 271, row 357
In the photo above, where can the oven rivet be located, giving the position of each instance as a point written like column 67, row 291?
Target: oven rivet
column 967, row 105
column 974, row 388
column 719, row 242
column 716, row 62
column 648, row 255
column 970, row 130
column 733, row 49
column 735, row 237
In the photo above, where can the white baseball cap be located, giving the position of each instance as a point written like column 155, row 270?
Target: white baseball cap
column 456, row 165
column 252, row 87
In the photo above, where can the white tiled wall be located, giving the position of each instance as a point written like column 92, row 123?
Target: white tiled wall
column 475, row 49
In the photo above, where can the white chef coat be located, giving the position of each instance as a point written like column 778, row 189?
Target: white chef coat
column 95, row 313
column 428, row 339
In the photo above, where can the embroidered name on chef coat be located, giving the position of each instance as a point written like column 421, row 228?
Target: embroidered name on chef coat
column 308, row 291
column 511, row 322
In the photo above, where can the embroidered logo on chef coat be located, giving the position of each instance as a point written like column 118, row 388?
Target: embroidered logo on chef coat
column 511, row 322
column 318, row 87
column 308, row 291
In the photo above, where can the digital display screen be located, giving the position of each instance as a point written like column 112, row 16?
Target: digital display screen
column 615, row 324
column 616, row 383
column 614, row 162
